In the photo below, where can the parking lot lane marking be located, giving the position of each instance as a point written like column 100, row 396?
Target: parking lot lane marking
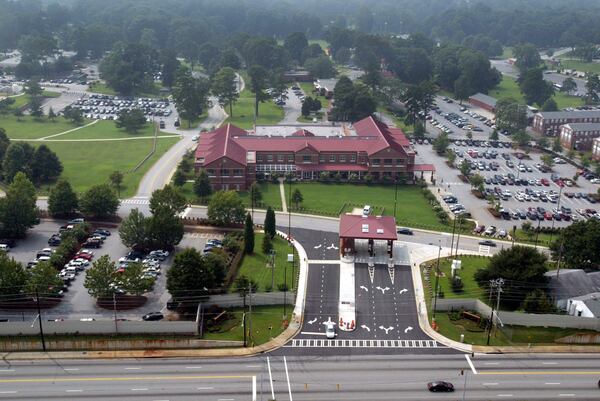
column 471, row 364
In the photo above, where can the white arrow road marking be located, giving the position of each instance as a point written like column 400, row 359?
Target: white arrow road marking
column 406, row 330
column 318, row 246
column 362, row 287
column 366, row 328
column 328, row 320
column 332, row 246
column 386, row 329
column 312, row 321
column 402, row 291
column 383, row 290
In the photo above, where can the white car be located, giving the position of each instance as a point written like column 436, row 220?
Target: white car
column 330, row 330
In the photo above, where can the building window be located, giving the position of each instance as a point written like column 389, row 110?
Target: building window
column 280, row 158
column 342, row 158
column 290, row 158
column 210, row 172
column 376, row 162
column 259, row 158
column 225, row 172
column 321, row 158
column 331, row 158
column 387, row 162
column 269, row 158
column 400, row 162
column 306, row 159
column 237, row 172
column 353, row 158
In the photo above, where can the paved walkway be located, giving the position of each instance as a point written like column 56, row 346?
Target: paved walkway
column 282, row 193
column 68, row 131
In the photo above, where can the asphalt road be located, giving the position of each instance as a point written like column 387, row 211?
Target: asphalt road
column 354, row 377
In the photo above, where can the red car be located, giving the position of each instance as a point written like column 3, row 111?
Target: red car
column 85, row 256
column 548, row 216
column 545, row 182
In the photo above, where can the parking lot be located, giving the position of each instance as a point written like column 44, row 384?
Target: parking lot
column 76, row 302
column 520, row 185
column 107, row 107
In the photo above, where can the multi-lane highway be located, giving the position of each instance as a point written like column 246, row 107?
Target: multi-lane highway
column 266, row 377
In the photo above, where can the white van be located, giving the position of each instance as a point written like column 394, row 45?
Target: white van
column 44, row 259
column 4, row 248
column 366, row 210
column 71, row 270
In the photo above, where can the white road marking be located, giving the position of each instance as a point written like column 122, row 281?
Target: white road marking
column 205, row 388
column 193, row 367
column 383, row 290
column 226, row 399
column 139, row 389
column 74, row 391
column 253, row 366
column 8, row 392
column 549, row 363
column 492, row 363
column 312, row 333
column 505, row 395
column 490, row 384
column 71, row 369
column 133, row 368
column 362, row 287
column 7, row 370
column 386, row 329
column 552, row 384
column 271, row 378
column 318, row 246
column 253, row 388
column 406, row 330
column 402, row 291
column 312, row 321
column 287, row 375
column 566, row 395
column 366, row 328
column 471, row 364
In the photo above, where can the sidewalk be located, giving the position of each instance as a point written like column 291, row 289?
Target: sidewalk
column 284, row 208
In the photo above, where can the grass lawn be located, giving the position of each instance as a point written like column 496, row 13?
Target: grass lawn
column 507, row 52
column 31, row 128
column 108, row 130
column 243, row 112
column 398, row 122
column 544, row 239
column 270, row 195
column 262, row 317
column 90, row 163
column 572, row 64
column 470, row 264
column 194, row 124
column 103, row 88
column 329, row 199
column 255, row 266
column 509, row 88
column 308, row 87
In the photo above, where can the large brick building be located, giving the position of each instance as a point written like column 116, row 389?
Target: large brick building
column 549, row 122
column 234, row 159
column 596, row 149
column 579, row 136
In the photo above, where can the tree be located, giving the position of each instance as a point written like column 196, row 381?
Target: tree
column 243, row 283
column 43, row 279
column 248, row 235
column 224, row 87
column 537, row 301
column 179, row 178
column 494, row 135
column 295, row 43
column 547, row 160
column 202, row 187
column 521, row 138
column 451, row 155
column 476, row 182
column 128, row 68
column 320, row 67
column 267, row 244
column 522, row 269
column 418, row 100
column 527, row 57
column 116, row 179
column 13, row 276
column 45, row 165
column 62, row 200
column 131, row 120
column 441, row 143
column 73, row 114
column 510, row 115
column 569, row 85
column 226, row 208
column 297, row 197
column 592, row 87
column 133, row 231
column 170, row 65
column 164, row 229
column 462, row 88
column 465, row 168
column 258, row 83
column 556, row 146
column 168, row 198
column 17, row 159
column 191, row 275
column 270, row 226
column 99, row 201
column 550, row 105
column 35, row 107
column 100, row 278
column 18, row 211
column 255, row 193
column 190, row 95
column 229, row 58
column 51, row 114
column 535, row 88
column 133, row 281
column 580, row 243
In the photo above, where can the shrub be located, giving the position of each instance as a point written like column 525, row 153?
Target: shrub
column 456, row 283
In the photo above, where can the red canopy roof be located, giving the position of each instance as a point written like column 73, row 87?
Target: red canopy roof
column 371, row 227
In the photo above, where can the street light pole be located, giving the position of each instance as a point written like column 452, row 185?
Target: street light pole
column 37, row 299
column 437, row 278
column 395, row 196
column 290, row 207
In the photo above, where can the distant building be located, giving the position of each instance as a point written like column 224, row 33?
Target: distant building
column 596, row 149
column 571, row 284
column 482, row 101
column 297, row 76
column 234, row 159
column 579, row 136
column 549, row 122
column 585, row 306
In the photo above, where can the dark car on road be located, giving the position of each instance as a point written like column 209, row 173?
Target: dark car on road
column 405, row 231
column 153, row 316
column 440, row 386
column 487, row 242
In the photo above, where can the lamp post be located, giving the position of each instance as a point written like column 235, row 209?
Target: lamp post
column 252, row 200
column 537, row 232
column 290, row 206
column 290, row 258
column 37, row 300
column 437, row 278
column 395, row 196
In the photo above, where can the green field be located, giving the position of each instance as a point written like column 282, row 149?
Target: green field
column 270, row 196
column 507, row 52
column 398, row 122
column 243, row 112
column 572, row 64
column 308, row 87
column 509, row 88
column 255, row 266
column 108, row 130
column 90, row 163
column 103, row 88
column 262, row 318
column 30, row 128
column 470, row 264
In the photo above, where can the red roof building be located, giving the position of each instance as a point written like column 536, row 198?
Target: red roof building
column 371, row 228
column 234, row 159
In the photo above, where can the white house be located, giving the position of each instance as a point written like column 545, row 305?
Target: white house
column 585, row 306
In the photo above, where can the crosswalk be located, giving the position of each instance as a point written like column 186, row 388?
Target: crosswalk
column 135, row 201
column 204, row 235
column 316, row 343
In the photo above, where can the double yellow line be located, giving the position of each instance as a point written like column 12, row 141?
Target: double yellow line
column 526, row 372
column 120, row 379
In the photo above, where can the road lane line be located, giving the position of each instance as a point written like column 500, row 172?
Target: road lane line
column 492, row 363
column 226, row 399
column 490, row 384
column 74, row 391
column 133, row 368
column 552, row 384
column 122, row 379
column 505, row 395
column 8, row 392
column 253, row 388
column 287, row 375
column 566, row 395
column 7, row 370
column 205, row 388
column 70, row 369
column 471, row 364
column 549, row 363
column 139, row 389
column 271, row 378
column 253, row 366
column 193, row 367
column 541, row 372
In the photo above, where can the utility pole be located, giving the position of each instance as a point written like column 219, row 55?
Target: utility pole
column 250, row 311
column 284, row 289
column 395, row 196
column 290, row 207
column 437, row 278
column 494, row 285
column 115, row 311
column 560, row 254
column 244, row 318
column 37, row 299
column 453, row 231
column 252, row 199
